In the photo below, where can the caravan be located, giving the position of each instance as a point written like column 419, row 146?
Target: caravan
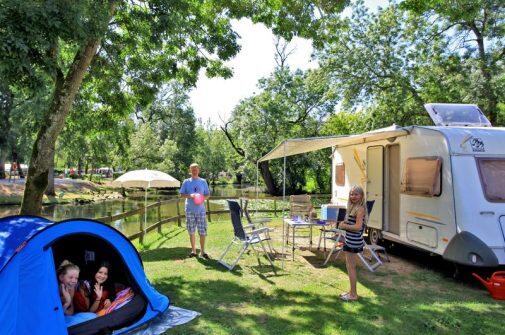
column 439, row 188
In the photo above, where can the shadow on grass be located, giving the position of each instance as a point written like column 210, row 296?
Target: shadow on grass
column 164, row 254
column 228, row 307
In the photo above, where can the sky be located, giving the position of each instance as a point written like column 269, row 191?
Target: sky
column 215, row 98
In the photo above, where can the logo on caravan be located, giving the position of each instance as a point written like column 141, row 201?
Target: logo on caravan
column 477, row 144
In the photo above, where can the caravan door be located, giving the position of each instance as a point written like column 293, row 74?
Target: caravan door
column 393, row 189
column 375, row 184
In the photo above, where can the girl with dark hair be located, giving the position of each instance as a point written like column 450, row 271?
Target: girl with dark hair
column 95, row 294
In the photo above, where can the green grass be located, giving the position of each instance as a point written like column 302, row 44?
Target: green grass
column 303, row 298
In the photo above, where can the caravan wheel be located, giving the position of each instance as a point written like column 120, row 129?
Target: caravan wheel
column 374, row 235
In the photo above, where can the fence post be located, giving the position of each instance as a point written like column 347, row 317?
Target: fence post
column 178, row 213
column 208, row 210
column 275, row 207
column 159, row 217
column 141, row 225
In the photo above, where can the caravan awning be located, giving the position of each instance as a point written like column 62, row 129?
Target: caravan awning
column 297, row 146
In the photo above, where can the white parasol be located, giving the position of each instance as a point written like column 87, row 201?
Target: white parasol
column 146, row 179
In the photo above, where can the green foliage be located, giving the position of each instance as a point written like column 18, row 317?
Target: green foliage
column 476, row 31
column 291, row 104
column 392, row 62
column 146, row 151
column 213, row 152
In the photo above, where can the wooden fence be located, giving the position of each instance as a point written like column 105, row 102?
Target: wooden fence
column 181, row 215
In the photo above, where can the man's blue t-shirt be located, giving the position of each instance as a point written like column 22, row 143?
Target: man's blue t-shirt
column 190, row 186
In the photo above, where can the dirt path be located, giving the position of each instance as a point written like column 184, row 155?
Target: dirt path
column 67, row 190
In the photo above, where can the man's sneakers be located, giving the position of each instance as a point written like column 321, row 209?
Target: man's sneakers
column 204, row 255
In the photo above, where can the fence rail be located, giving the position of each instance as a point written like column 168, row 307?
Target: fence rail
column 181, row 215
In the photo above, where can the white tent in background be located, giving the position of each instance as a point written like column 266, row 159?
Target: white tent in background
column 146, row 179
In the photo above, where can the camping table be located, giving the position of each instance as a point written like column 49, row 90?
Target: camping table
column 299, row 224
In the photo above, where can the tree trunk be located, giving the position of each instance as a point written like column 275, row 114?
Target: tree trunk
column 268, row 179
column 15, row 158
column 50, row 178
column 2, row 165
column 487, row 88
column 239, row 177
column 53, row 121
column 5, row 110
column 52, row 124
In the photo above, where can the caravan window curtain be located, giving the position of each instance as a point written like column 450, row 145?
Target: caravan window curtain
column 340, row 174
column 422, row 176
column 492, row 178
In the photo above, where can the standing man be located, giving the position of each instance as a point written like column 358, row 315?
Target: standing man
column 192, row 189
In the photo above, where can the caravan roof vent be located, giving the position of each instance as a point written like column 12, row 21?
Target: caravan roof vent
column 461, row 115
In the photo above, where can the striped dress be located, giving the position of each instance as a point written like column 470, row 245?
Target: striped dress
column 354, row 239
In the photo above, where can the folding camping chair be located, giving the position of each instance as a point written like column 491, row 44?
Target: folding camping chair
column 374, row 260
column 259, row 222
column 300, row 205
column 334, row 232
column 255, row 236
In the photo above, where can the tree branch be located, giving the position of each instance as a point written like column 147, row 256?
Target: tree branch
column 239, row 150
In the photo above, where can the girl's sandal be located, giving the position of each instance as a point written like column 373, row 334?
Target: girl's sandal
column 348, row 297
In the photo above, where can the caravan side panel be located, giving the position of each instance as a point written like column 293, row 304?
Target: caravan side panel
column 428, row 222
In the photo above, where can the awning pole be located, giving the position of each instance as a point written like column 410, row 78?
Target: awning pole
column 283, row 201
column 257, row 190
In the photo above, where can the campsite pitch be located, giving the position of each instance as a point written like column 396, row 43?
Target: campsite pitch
column 401, row 297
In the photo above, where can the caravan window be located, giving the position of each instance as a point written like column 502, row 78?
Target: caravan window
column 492, row 178
column 340, row 174
column 422, row 176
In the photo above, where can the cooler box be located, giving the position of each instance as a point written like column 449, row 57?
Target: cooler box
column 331, row 212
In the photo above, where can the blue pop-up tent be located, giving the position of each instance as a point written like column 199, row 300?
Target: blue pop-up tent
column 31, row 248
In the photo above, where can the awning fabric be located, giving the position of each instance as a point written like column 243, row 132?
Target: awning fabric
column 297, row 146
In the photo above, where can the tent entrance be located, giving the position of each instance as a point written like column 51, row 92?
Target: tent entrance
column 88, row 252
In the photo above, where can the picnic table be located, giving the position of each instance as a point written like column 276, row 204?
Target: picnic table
column 296, row 223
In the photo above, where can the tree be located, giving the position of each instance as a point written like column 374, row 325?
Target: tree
column 174, row 119
column 147, row 44
column 213, row 152
column 392, row 62
column 290, row 104
column 476, row 28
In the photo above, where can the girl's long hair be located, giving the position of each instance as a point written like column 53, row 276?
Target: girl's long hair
column 352, row 209
column 107, row 285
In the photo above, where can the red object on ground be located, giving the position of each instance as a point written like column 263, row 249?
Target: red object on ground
column 198, row 199
column 495, row 284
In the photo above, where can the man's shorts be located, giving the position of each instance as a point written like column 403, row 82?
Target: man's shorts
column 196, row 221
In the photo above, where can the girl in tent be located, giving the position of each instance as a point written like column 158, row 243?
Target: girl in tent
column 96, row 294
column 68, row 274
column 354, row 225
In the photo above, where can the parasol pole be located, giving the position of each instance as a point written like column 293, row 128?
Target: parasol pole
column 283, row 200
column 145, row 209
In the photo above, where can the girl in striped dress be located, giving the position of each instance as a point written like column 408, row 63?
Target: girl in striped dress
column 354, row 225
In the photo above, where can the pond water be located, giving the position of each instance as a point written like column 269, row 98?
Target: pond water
column 131, row 224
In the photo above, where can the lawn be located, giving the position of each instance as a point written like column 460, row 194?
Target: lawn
column 303, row 298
